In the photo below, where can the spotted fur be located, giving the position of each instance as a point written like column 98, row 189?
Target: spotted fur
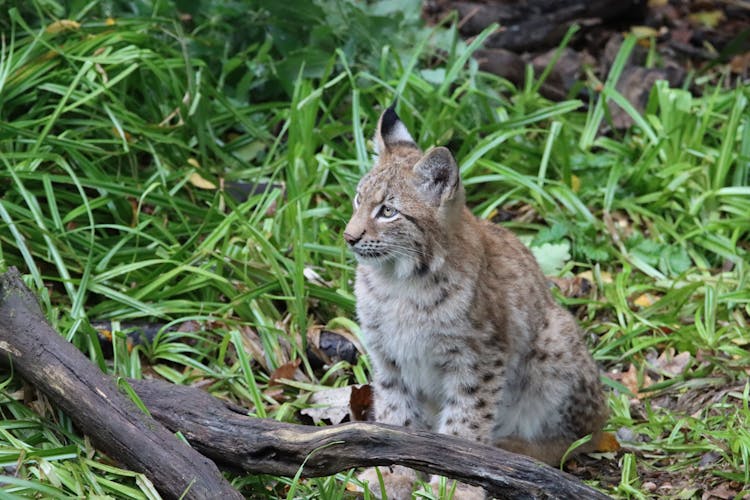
column 462, row 331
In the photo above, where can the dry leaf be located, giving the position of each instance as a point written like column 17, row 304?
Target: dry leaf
column 643, row 31
column 649, row 486
column 286, row 371
column 252, row 344
column 575, row 183
column 672, row 365
column 724, row 491
column 360, row 402
column 199, row 182
column 708, row 18
column 313, row 277
column 739, row 64
column 190, row 326
column 589, row 275
column 575, row 287
column 630, row 380
column 331, row 405
column 635, row 85
column 622, row 222
column 350, row 486
column 607, row 443
column 317, row 357
column 124, row 135
column 645, row 300
column 62, row 25
column 275, row 392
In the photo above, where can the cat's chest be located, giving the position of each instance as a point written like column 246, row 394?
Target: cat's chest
column 409, row 325
column 412, row 312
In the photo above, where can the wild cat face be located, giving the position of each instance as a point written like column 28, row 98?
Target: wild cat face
column 402, row 206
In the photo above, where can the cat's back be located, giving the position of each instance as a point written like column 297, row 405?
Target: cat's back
column 508, row 256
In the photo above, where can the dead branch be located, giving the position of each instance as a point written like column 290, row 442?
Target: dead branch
column 224, row 433
column 91, row 399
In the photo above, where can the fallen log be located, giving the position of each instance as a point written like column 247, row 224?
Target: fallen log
column 528, row 25
column 91, row 399
column 224, row 432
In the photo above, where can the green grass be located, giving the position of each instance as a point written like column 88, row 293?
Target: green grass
column 102, row 128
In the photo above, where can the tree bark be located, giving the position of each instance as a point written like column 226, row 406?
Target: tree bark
column 91, row 399
column 224, row 433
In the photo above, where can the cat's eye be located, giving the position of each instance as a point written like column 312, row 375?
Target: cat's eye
column 356, row 201
column 387, row 212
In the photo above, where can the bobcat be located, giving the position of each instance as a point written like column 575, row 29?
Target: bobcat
column 463, row 333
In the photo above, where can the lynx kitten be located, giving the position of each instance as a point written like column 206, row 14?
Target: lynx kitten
column 462, row 331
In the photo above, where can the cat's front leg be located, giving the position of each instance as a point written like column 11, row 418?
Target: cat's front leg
column 393, row 404
column 469, row 406
column 471, row 392
column 465, row 415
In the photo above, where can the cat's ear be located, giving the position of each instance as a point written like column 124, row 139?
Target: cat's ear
column 391, row 130
column 437, row 176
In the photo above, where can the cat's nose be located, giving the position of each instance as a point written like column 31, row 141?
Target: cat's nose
column 352, row 240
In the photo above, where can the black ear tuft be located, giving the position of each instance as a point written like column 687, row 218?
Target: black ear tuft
column 391, row 131
column 389, row 119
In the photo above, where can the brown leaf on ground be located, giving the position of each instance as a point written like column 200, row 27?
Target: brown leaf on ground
column 241, row 191
column 190, row 326
column 502, row 63
column 285, row 371
column 606, row 472
column 723, row 491
column 630, row 380
column 607, row 443
column 575, row 287
column 739, row 64
column 360, row 402
column 649, row 486
column 670, row 364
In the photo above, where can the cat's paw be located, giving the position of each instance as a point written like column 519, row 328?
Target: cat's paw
column 398, row 481
column 462, row 492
